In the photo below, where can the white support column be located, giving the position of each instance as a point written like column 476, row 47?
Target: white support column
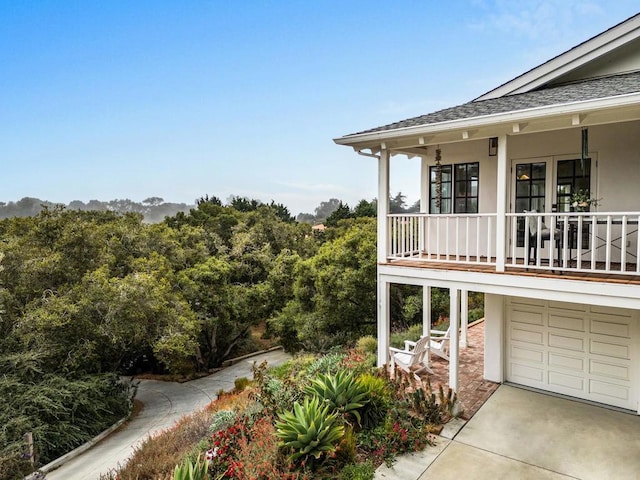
column 384, row 323
column 383, row 205
column 494, row 321
column 464, row 317
column 424, row 203
column 454, row 347
column 501, row 203
column 426, row 311
column 426, row 316
column 424, row 185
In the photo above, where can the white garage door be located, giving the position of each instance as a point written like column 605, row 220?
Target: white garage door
column 578, row 350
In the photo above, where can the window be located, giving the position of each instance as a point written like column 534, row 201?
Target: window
column 573, row 175
column 445, row 190
column 458, row 188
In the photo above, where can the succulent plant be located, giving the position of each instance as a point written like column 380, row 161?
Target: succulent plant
column 340, row 391
column 191, row 471
column 311, row 430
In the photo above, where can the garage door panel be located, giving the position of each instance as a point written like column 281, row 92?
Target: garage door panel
column 530, row 355
column 609, row 328
column 611, row 311
column 576, row 307
column 567, row 323
column 609, row 370
column 566, row 343
column 528, row 301
column 529, row 317
column 527, row 373
column 565, row 381
column 565, row 361
column 527, row 336
column 610, row 349
column 609, row 392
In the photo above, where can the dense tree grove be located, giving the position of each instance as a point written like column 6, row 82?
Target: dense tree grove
column 88, row 295
column 154, row 209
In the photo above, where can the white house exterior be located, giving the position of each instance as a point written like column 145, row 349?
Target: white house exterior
column 567, row 319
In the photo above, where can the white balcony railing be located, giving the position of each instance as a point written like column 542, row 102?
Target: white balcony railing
column 577, row 242
column 461, row 238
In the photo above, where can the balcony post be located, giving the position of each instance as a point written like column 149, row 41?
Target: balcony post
column 501, row 204
column 384, row 327
column 383, row 205
column 464, row 317
column 424, row 185
column 426, row 314
column 454, row 342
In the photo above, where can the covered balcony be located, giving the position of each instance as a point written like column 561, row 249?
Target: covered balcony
column 590, row 244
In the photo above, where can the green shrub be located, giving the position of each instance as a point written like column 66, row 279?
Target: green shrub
column 222, row 419
column 358, row 471
column 413, row 333
column 340, row 391
column 273, row 393
column 241, row 383
column 329, row 363
column 379, row 395
column 310, row 430
column 475, row 314
column 367, row 344
column 348, row 446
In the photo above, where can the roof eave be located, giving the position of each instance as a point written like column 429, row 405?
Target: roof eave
column 582, row 106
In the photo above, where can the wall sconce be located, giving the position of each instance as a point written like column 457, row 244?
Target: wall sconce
column 493, row 146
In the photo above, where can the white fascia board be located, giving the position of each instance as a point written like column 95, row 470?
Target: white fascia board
column 572, row 59
column 583, row 106
column 543, row 288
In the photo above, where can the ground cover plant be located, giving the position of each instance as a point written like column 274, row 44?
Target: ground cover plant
column 315, row 417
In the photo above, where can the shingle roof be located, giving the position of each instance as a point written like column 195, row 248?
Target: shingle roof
column 583, row 90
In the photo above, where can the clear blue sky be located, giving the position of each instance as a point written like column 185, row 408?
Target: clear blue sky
column 131, row 99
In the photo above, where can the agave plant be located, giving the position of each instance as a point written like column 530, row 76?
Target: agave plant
column 191, row 471
column 310, row 429
column 340, row 391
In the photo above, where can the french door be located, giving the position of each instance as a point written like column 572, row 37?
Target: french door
column 531, row 191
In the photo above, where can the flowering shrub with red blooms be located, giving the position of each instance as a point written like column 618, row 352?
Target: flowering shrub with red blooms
column 250, row 452
column 225, row 445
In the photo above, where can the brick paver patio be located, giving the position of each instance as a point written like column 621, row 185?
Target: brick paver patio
column 473, row 389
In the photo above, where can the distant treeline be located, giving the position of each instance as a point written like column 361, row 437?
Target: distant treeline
column 154, row 209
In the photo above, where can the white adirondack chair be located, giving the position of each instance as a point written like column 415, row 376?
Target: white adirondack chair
column 439, row 342
column 414, row 357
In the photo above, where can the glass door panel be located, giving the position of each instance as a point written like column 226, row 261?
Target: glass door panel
column 530, row 192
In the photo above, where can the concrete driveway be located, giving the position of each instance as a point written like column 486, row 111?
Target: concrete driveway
column 163, row 404
column 527, row 435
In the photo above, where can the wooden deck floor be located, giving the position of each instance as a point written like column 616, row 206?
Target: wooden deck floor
column 522, row 271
